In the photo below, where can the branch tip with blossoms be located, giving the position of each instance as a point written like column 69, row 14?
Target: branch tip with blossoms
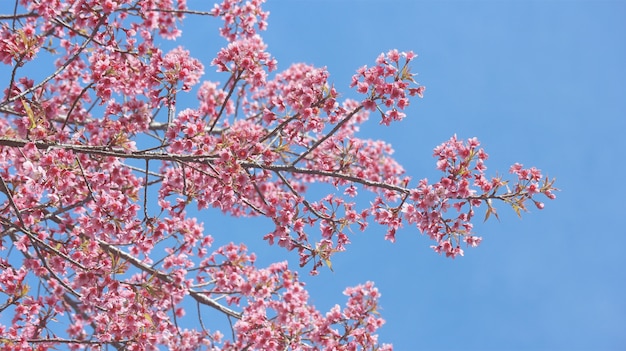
column 465, row 187
column 387, row 85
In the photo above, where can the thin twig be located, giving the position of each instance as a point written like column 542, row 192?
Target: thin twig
column 325, row 137
column 60, row 69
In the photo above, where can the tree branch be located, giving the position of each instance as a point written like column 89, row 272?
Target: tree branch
column 198, row 296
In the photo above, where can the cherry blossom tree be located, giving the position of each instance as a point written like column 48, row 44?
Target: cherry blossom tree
column 100, row 167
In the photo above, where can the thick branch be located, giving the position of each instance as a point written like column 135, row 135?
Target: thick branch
column 198, row 296
column 206, row 159
column 163, row 156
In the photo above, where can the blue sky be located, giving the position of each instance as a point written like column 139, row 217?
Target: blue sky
column 542, row 83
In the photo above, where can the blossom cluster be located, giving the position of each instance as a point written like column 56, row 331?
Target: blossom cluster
column 241, row 20
column 464, row 187
column 387, row 85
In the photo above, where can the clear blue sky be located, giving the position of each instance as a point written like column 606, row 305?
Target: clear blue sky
column 538, row 82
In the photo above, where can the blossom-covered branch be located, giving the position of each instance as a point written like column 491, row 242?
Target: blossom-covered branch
column 101, row 170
